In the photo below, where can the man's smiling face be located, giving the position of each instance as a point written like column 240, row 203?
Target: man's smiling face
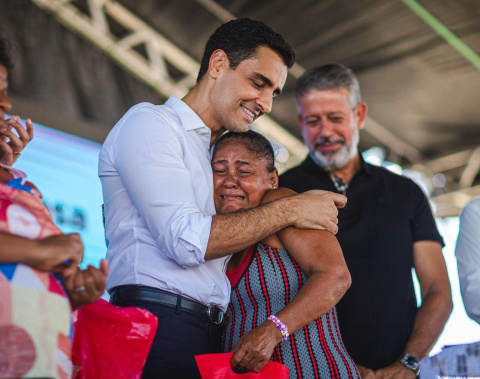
column 330, row 126
column 244, row 94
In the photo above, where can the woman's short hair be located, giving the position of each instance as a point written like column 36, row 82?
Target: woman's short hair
column 256, row 143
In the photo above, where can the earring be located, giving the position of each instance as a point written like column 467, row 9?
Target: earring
column 274, row 187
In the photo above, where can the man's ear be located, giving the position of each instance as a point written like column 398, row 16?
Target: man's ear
column 274, row 178
column 361, row 114
column 218, row 61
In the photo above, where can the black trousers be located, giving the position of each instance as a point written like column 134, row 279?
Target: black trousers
column 180, row 336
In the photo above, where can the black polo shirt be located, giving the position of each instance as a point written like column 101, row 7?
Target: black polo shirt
column 385, row 214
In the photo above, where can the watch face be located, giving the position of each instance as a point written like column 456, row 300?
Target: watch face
column 410, row 361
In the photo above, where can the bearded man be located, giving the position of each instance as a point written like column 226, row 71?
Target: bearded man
column 385, row 230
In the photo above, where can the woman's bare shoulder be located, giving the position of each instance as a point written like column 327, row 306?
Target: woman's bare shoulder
column 278, row 193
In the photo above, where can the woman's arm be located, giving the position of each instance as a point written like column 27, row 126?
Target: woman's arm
column 47, row 254
column 320, row 257
column 50, row 254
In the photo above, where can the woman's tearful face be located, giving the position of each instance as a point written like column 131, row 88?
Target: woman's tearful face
column 240, row 179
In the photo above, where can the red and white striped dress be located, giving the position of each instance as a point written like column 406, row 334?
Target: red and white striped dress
column 263, row 284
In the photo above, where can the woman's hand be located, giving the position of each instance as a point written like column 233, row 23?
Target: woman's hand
column 59, row 253
column 254, row 349
column 86, row 286
column 12, row 144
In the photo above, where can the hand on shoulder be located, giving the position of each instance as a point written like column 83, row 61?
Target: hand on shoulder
column 314, row 209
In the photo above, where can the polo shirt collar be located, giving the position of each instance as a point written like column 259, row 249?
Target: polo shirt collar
column 364, row 166
column 189, row 119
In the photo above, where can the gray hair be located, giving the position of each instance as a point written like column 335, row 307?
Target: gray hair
column 329, row 76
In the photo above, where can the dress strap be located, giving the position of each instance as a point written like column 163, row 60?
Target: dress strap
column 235, row 275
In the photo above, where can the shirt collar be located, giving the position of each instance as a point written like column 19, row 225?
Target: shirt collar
column 189, row 119
column 364, row 166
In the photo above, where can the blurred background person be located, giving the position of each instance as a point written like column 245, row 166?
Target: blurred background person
column 11, row 144
column 40, row 282
column 468, row 258
column 386, row 229
column 463, row 360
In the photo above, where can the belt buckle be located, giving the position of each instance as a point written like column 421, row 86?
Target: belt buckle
column 210, row 314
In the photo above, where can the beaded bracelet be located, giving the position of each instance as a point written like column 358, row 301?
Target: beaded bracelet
column 280, row 325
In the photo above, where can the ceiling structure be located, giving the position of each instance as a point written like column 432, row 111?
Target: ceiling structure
column 417, row 62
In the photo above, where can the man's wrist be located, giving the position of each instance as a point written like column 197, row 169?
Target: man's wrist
column 410, row 362
column 288, row 209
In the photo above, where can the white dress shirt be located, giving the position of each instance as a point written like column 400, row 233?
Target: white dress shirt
column 158, row 194
column 468, row 257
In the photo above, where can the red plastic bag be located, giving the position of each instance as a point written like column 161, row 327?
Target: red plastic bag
column 112, row 342
column 217, row 366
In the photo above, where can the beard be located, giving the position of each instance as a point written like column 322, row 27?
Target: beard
column 338, row 159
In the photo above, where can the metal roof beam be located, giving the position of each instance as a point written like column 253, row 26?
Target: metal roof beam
column 471, row 170
column 443, row 31
column 133, row 62
column 451, row 204
column 448, row 162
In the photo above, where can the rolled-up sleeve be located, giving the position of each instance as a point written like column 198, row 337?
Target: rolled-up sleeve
column 149, row 156
column 468, row 258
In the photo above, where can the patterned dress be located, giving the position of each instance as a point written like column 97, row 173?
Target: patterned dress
column 35, row 321
column 270, row 281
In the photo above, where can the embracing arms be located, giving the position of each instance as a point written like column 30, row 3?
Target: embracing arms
column 156, row 165
column 236, row 231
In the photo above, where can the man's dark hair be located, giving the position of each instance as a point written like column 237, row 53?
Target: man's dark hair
column 256, row 143
column 5, row 56
column 240, row 40
column 329, row 76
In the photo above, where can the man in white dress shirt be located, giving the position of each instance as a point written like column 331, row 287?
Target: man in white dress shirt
column 468, row 258
column 166, row 247
column 462, row 361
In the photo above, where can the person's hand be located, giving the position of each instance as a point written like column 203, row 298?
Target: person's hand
column 11, row 143
column 59, row 253
column 395, row 371
column 318, row 210
column 86, row 286
column 254, row 349
column 365, row 373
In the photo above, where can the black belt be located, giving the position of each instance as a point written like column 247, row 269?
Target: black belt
column 153, row 295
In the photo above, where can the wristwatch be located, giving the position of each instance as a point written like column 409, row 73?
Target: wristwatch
column 411, row 362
